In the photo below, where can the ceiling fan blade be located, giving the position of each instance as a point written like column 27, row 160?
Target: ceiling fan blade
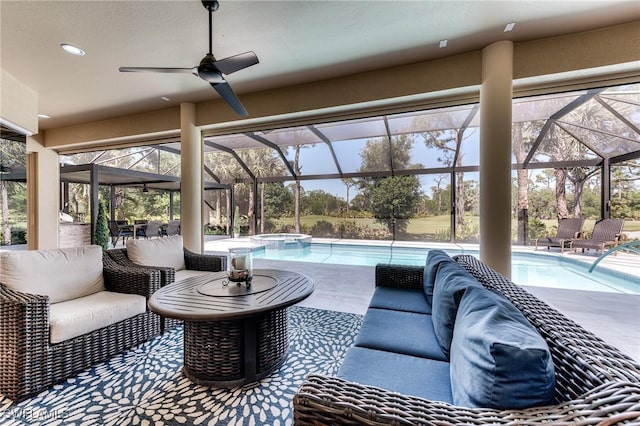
column 237, row 62
column 160, row 70
column 230, row 97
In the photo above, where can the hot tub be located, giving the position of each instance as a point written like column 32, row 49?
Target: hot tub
column 282, row 241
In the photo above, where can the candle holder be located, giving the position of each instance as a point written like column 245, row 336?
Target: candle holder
column 240, row 265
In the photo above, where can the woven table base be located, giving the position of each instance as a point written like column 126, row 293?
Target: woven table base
column 236, row 352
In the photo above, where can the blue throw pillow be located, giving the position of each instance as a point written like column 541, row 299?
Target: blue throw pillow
column 434, row 258
column 451, row 282
column 498, row 359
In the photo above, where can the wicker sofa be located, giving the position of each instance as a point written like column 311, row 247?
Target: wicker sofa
column 64, row 310
column 595, row 384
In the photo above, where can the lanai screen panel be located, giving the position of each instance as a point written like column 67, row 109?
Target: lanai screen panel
column 434, row 134
column 224, row 166
column 354, row 142
column 313, row 154
column 263, row 161
column 559, row 145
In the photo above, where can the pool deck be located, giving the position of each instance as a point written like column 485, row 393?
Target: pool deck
column 611, row 316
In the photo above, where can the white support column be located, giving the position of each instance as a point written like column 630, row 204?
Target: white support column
column 191, row 178
column 43, row 195
column 495, row 156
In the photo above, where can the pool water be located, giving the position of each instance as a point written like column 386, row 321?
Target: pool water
column 526, row 268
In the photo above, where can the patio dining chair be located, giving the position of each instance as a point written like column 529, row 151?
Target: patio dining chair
column 173, row 228
column 153, row 229
column 606, row 232
column 568, row 230
column 117, row 229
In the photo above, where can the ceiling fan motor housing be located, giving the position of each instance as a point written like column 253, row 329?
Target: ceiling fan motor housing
column 208, row 71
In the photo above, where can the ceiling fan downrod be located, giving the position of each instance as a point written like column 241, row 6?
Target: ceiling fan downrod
column 211, row 6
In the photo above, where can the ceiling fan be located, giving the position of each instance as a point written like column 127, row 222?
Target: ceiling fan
column 212, row 70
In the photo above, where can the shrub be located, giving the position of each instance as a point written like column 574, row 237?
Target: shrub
column 101, row 236
column 323, row 228
column 537, row 229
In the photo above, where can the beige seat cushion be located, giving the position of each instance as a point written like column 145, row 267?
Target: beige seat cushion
column 167, row 251
column 83, row 315
column 62, row 274
column 187, row 273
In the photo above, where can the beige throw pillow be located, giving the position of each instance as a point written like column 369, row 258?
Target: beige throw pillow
column 62, row 274
column 167, row 251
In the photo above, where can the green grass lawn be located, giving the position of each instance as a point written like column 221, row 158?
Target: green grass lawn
column 434, row 225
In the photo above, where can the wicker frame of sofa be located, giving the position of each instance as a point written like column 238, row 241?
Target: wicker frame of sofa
column 29, row 363
column 596, row 384
column 193, row 261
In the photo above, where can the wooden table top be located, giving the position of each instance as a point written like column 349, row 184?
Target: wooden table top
column 197, row 298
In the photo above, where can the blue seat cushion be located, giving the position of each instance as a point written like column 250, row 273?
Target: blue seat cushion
column 400, row 299
column 451, row 282
column 405, row 374
column 406, row 333
column 498, row 359
column 434, row 258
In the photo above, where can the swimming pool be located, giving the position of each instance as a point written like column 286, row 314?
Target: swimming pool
column 526, row 268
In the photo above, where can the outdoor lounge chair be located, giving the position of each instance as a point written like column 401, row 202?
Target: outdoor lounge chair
column 606, row 232
column 569, row 229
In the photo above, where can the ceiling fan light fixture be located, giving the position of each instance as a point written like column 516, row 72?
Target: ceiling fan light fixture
column 74, row 50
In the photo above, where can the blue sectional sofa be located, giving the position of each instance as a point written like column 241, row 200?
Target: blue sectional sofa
column 454, row 342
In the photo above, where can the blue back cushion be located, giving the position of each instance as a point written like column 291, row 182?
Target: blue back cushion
column 451, row 282
column 434, row 258
column 498, row 359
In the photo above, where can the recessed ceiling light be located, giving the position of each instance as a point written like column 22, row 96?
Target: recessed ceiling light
column 74, row 50
column 44, row 116
column 443, row 43
column 509, row 27
column 164, row 98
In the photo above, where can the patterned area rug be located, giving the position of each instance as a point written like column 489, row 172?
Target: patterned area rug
column 145, row 385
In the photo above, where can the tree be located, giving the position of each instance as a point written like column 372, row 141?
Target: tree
column 448, row 142
column 12, row 157
column 349, row 183
column 297, row 168
column 522, row 135
column 278, row 201
column 394, row 200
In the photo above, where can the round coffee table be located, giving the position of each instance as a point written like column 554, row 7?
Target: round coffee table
column 233, row 334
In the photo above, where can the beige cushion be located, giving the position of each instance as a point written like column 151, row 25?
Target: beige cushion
column 61, row 274
column 83, row 315
column 167, row 251
column 187, row 273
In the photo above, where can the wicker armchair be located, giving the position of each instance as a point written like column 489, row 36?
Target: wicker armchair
column 596, row 384
column 193, row 261
column 29, row 363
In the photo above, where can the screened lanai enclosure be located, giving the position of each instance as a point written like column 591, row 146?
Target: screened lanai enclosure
column 415, row 175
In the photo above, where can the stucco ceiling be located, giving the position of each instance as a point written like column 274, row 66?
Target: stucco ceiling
column 296, row 42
